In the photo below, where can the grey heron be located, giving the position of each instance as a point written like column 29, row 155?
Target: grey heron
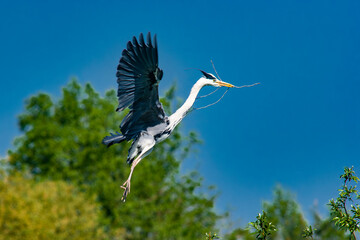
column 138, row 77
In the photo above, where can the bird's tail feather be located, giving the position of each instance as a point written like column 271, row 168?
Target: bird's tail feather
column 113, row 138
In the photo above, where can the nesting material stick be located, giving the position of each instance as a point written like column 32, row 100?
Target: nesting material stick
column 247, row 85
column 251, row 85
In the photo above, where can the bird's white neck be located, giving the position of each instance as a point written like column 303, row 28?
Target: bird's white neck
column 176, row 117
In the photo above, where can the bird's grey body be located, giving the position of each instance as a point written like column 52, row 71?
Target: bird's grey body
column 149, row 137
column 146, row 124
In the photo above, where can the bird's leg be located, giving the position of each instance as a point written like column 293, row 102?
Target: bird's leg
column 146, row 151
column 126, row 185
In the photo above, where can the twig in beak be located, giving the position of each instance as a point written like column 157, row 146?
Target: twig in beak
column 247, row 85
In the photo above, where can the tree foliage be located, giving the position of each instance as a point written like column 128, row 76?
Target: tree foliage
column 347, row 217
column 69, row 186
column 287, row 216
column 344, row 221
column 46, row 210
column 263, row 227
column 326, row 229
column 284, row 212
column 62, row 141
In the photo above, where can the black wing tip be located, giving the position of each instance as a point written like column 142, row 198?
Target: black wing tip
column 148, row 36
column 129, row 46
column 150, row 42
column 141, row 40
column 135, row 41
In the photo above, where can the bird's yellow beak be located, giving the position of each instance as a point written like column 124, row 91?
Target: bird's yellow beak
column 224, row 84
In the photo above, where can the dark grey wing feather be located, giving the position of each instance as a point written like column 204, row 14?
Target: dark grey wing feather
column 138, row 77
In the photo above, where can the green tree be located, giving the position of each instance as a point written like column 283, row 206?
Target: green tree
column 324, row 228
column 344, row 216
column 284, row 213
column 62, row 141
column 240, row 233
column 343, row 221
column 263, row 227
column 46, row 210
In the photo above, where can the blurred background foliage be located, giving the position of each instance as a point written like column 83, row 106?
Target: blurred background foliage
column 60, row 182
column 285, row 214
column 47, row 210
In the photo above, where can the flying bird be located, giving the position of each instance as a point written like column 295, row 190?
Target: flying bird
column 146, row 124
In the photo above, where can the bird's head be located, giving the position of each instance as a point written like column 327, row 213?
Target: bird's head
column 210, row 79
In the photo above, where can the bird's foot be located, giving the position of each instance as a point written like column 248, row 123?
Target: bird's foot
column 126, row 187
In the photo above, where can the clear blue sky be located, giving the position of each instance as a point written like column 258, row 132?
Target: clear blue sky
column 299, row 128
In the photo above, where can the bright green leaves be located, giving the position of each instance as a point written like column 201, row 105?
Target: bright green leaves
column 263, row 227
column 349, row 175
column 345, row 210
column 308, row 233
column 211, row 236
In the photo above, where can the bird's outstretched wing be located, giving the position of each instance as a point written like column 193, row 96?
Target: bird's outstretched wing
column 138, row 77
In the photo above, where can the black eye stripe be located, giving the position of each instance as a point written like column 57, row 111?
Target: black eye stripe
column 207, row 75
